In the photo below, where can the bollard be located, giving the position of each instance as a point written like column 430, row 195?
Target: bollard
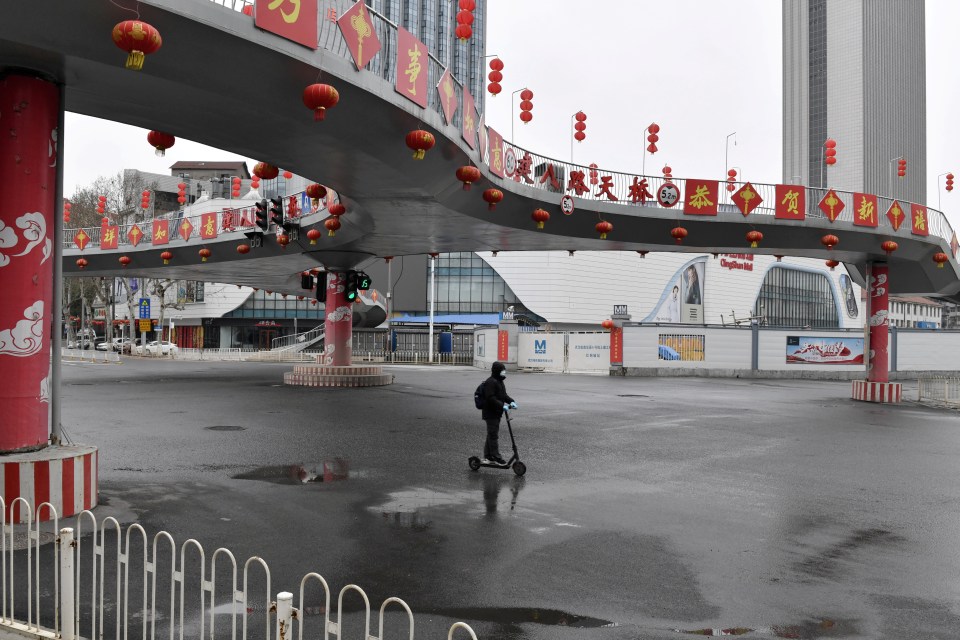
column 284, row 628
column 68, row 617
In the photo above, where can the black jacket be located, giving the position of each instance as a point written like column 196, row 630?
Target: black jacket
column 494, row 397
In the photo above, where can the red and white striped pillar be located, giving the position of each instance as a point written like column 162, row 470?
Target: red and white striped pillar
column 338, row 323
column 877, row 387
column 29, row 113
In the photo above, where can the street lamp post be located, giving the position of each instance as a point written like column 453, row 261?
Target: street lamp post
column 726, row 155
column 939, row 207
column 512, row 139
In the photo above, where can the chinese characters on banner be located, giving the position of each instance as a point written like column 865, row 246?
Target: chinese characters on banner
column 412, row 63
column 208, row 226
column 291, row 19
column 918, row 216
column 701, row 197
column 865, row 210
column 616, row 346
column 161, row 231
column 503, row 345
column 496, row 152
column 791, row 202
column 109, row 237
column 358, row 31
column 448, row 96
column 469, row 129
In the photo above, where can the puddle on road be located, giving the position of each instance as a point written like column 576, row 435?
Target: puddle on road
column 517, row 615
column 326, row 471
column 812, row 629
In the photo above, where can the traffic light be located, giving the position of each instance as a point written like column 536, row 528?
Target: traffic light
column 322, row 286
column 262, row 221
column 306, row 281
column 353, row 279
column 276, row 211
column 902, row 167
column 363, row 281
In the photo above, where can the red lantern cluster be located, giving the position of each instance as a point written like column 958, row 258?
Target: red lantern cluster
column 594, row 174
column 949, row 186
column 204, row 254
column 580, row 126
column 138, row 39
column 830, row 241
column 941, row 259
column 678, row 234
column 145, row 199
column 465, row 19
column 495, row 76
column 420, row 141
column 161, row 141
column 526, row 106
column 830, row 151
column 333, row 222
column 754, row 238
column 889, row 246
column 255, row 182
column 313, row 235
column 603, row 228
column 265, row 171
column 182, row 193
column 319, row 98
column 652, row 137
column 101, row 204
column 468, row 174
column 235, row 187
column 901, row 167
column 540, row 216
column 492, row 197
column 82, row 262
column 731, row 178
column 66, row 211
column 166, row 256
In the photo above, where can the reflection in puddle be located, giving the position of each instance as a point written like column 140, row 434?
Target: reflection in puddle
column 518, row 615
column 808, row 630
column 325, row 471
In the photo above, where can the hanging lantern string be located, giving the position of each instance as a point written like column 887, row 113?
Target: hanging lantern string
column 136, row 11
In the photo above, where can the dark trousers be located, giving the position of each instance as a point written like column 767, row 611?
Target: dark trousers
column 491, row 447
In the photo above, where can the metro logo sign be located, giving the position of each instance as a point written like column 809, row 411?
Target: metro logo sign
column 294, row 20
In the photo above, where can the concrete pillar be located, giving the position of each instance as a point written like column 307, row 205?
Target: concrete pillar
column 29, row 113
column 878, row 359
column 338, row 323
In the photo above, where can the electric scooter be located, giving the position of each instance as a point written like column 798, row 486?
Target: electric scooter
column 513, row 463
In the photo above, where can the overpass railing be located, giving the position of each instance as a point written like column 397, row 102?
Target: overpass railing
column 102, row 580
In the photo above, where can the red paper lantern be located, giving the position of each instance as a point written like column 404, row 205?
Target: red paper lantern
column 832, row 264
column 82, row 263
column 754, row 238
column 540, row 217
column 830, row 241
column 265, row 171
column 420, row 141
column 313, row 235
column 652, row 137
column 526, row 116
column 138, row 39
column 667, row 172
column 468, row 174
column 678, row 234
column 243, row 249
column 161, row 141
column 283, row 240
column 332, row 224
column 463, row 32
column 607, row 324
column 319, row 98
column 579, row 136
column 526, row 94
column 526, row 106
column 204, row 254
column 166, row 256
column 248, row 10
column 889, row 246
column 941, row 259
column 830, row 151
column 124, row 260
column 603, row 228
column 496, row 64
column 492, row 197
column 494, row 88
column 180, row 199
column 316, row 192
column 287, row 175
column 336, row 209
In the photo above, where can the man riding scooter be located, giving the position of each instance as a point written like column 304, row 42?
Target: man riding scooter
column 495, row 402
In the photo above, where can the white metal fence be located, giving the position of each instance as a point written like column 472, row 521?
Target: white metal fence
column 89, row 355
column 940, row 390
column 99, row 581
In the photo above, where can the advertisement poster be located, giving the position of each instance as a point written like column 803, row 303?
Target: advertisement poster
column 813, row 350
column 681, row 347
column 682, row 301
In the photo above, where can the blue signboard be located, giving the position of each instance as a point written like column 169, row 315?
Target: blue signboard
column 144, row 308
column 305, row 205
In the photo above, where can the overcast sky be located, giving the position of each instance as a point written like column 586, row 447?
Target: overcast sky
column 701, row 69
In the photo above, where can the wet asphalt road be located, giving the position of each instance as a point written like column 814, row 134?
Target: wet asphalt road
column 649, row 505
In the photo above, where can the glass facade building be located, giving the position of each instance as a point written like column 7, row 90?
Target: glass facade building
column 795, row 298
column 467, row 284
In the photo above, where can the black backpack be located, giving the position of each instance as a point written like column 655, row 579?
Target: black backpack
column 478, row 399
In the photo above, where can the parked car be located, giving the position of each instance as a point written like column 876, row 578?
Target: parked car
column 104, row 346
column 164, row 348
column 120, row 343
column 80, row 344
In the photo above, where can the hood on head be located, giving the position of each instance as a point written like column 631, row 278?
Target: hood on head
column 497, row 368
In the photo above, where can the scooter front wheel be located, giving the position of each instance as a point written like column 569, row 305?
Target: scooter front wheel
column 474, row 463
column 519, row 468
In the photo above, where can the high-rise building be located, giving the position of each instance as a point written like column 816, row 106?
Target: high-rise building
column 854, row 71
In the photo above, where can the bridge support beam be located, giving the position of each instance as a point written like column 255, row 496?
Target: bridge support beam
column 338, row 323
column 31, row 113
column 877, row 387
